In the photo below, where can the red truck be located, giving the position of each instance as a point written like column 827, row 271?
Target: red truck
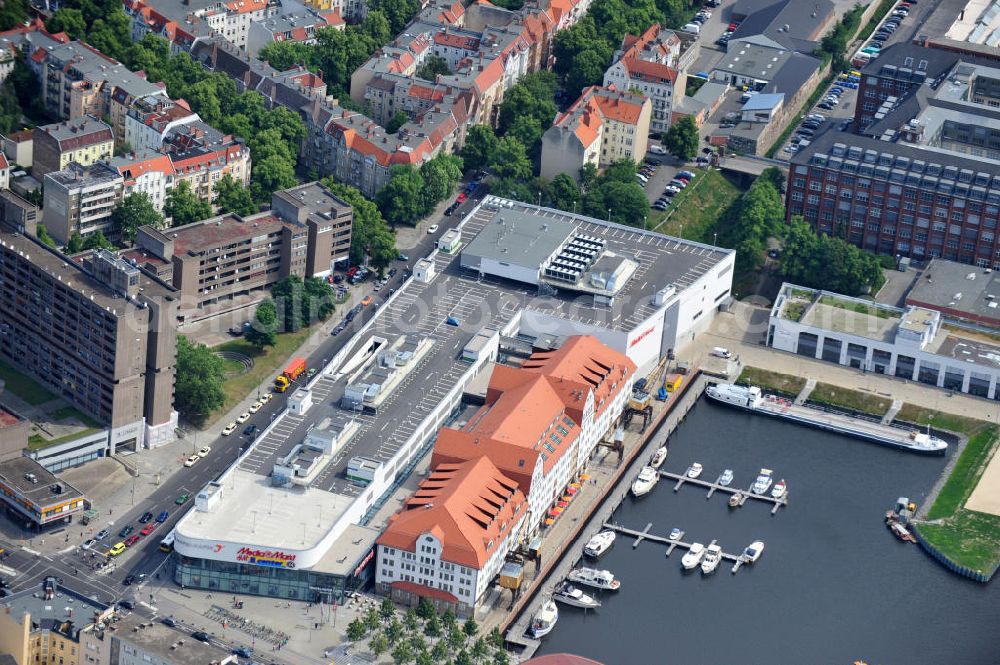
column 292, row 372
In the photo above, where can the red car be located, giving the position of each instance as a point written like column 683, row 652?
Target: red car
column 461, row 198
column 733, row 26
column 148, row 529
column 132, row 540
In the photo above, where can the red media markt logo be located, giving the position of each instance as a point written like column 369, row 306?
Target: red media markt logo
column 218, row 548
column 248, row 553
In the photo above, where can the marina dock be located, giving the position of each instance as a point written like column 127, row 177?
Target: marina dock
column 715, row 487
column 671, row 544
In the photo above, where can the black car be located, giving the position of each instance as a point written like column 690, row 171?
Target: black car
column 146, row 517
column 243, row 652
column 169, row 621
column 127, row 604
column 130, row 580
column 201, row 636
column 250, row 430
column 392, row 272
column 338, row 278
column 349, row 316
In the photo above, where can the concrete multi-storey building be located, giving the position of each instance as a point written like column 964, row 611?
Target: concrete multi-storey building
column 95, row 331
column 80, row 199
column 145, row 171
column 18, row 214
column 655, row 63
column 229, row 261
column 603, row 126
column 84, row 141
column 150, row 119
column 185, row 22
column 929, row 189
column 299, row 27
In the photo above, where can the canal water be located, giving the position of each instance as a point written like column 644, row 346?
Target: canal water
column 833, row 585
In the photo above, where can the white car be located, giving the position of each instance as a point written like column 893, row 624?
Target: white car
column 205, row 450
column 254, row 408
column 190, row 461
column 432, row 228
column 228, row 429
column 657, row 150
column 265, row 398
column 722, row 352
column 245, row 416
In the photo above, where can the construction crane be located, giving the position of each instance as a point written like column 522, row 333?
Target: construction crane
column 512, row 572
column 642, row 393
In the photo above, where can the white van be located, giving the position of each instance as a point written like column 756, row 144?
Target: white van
column 722, row 352
column 693, row 28
column 657, row 149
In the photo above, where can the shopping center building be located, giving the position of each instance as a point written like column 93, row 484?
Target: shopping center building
column 299, row 513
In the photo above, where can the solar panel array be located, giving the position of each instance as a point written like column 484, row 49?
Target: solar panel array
column 574, row 258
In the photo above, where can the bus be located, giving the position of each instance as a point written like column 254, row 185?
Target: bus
column 167, row 544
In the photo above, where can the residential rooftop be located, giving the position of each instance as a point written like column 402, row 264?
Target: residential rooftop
column 168, row 644
column 959, row 290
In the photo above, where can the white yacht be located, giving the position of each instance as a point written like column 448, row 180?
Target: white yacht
column 694, row 470
column 570, row 595
column 763, row 482
column 753, row 552
column 646, row 480
column 746, row 397
column 675, row 534
column 592, row 577
column 725, row 478
column 544, row 620
column 779, row 489
column 658, row 457
column 693, row 556
column 713, row 555
column 599, row 544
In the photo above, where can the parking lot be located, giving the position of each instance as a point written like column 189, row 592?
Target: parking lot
column 835, row 116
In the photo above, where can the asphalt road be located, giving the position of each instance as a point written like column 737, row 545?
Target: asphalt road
column 145, row 558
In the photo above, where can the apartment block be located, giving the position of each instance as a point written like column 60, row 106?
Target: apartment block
column 229, row 261
column 352, row 10
column 654, row 63
column 80, row 199
column 147, row 172
column 185, row 22
column 299, row 27
column 202, row 155
column 150, row 119
column 85, row 140
column 927, row 188
column 603, row 126
column 95, row 331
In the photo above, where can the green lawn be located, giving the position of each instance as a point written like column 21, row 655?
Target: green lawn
column 965, row 475
column 968, row 538
column 911, row 413
column 69, row 412
column 831, row 395
column 24, row 386
column 768, row 380
column 37, row 442
column 266, row 363
column 696, row 211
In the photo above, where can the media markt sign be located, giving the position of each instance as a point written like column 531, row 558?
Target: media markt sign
column 266, row 557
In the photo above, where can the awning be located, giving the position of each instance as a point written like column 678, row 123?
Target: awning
column 567, row 497
column 584, row 476
column 571, row 491
column 549, row 521
column 562, row 504
column 575, row 485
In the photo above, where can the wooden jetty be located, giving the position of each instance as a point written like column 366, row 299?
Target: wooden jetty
column 672, row 544
column 715, row 487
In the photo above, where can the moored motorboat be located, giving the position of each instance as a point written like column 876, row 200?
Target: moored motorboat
column 569, row 595
column 753, row 551
column 646, row 480
column 658, row 457
column 779, row 489
column 709, row 562
column 725, row 478
column 901, row 532
column 693, row 556
column 599, row 544
column 736, row 500
column 763, row 482
column 694, row 470
column 544, row 620
column 675, row 534
column 592, row 577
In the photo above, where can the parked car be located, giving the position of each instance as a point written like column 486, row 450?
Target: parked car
column 146, row 517
column 685, row 174
column 148, row 529
column 170, row 622
column 432, row 228
column 201, row 636
column 229, row 429
column 660, row 205
column 117, row 549
column 657, row 149
column 126, row 530
column 250, row 430
column 162, row 517
column 191, row 461
column 132, row 540
column 182, row 499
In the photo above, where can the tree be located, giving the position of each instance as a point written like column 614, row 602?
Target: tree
column 13, row 13
column 133, row 211
column 411, row 620
column 480, row 147
column 75, row 244
column 96, row 240
column 511, row 160
column 495, row 638
column 403, row 653
column 565, row 193
column 372, row 620
column 319, row 299
column 289, row 297
column 582, row 56
column 432, row 67
column 370, row 236
column 356, row 630
column 463, row 658
column 387, row 610
column 402, row 200
column 439, row 175
column 231, row 196
column 398, row 119
column 394, row 631
column 425, row 609
column 501, row 657
column 682, row 139
column 270, row 175
column 448, row 618
column 285, row 55
column 827, row 262
column 198, row 386
column 470, row 628
column 70, row 21
column 456, row 638
column 398, row 12
column 184, row 206
column 264, row 327
column 432, row 628
column 379, row 645
column 418, row 643
column 42, row 234
column 439, row 652
column 480, row 650
column 111, row 34
column 424, row 658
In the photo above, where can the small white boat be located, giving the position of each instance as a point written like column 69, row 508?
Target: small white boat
column 599, row 544
column 592, row 577
column 763, row 482
column 753, row 552
column 544, row 620
column 779, row 488
column 658, row 457
column 570, row 595
column 725, row 478
column 646, row 480
column 694, row 470
column 693, row 556
column 675, row 534
column 713, row 555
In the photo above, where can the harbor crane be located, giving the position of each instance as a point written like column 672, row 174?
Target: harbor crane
column 640, row 403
